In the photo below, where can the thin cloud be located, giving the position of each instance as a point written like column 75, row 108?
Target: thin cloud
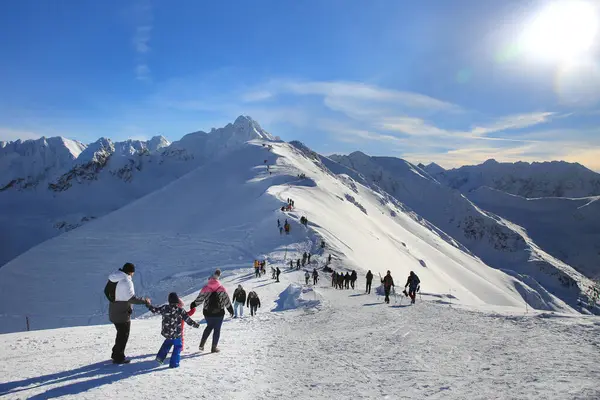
column 143, row 17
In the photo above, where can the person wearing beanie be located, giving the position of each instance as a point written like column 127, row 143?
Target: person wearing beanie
column 172, row 318
column 215, row 300
column 120, row 293
column 239, row 299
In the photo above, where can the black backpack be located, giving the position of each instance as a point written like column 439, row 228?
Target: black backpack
column 110, row 290
column 213, row 304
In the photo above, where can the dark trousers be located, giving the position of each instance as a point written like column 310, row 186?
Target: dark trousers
column 352, row 284
column 277, row 278
column 387, row 293
column 369, row 287
column 166, row 347
column 315, row 280
column 212, row 323
column 257, row 272
column 412, row 292
column 253, row 308
column 118, row 350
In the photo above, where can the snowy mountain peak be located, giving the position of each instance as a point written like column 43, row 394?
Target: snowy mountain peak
column 157, row 143
column 432, row 168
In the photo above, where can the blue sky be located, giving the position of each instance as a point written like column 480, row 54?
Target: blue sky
column 444, row 81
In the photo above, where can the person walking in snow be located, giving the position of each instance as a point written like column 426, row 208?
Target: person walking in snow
column 308, row 260
column 239, row 299
column 333, row 279
column 215, row 300
column 412, row 283
column 369, row 278
column 278, row 223
column 315, row 275
column 306, row 277
column 291, row 264
column 353, row 278
column 347, row 280
column 256, row 270
column 298, row 264
column 172, row 317
column 121, row 294
column 190, row 313
column 273, row 273
column 281, row 230
column 278, row 273
column 253, row 302
column 329, row 259
column 388, row 284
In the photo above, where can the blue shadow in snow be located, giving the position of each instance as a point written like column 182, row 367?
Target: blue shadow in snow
column 372, row 304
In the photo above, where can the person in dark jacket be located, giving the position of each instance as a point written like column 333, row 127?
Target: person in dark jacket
column 347, row 280
column 412, row 283
column 121, row 294
column 253, row 302
column 388, row 284
column 298, row 264
column 315, row 275
column 308, row 260
column 215, row 300
column 172, row 317
column 369, row 278
column 278, row 272
column 340, row 280
column 306, row 277
column 334, row 279
column 239, row 299
column 353, row 278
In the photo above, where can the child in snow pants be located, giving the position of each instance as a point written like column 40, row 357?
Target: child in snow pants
column 166, row 347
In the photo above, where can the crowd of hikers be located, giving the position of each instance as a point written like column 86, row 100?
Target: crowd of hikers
column 214, row 300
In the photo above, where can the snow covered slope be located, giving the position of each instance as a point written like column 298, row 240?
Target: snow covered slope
column 104, row 177
column 569, row 229
column 224, row 214
column 498, row 242
column 344, row 345
column 546, row 179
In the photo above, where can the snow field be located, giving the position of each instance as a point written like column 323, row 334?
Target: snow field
column 352, row 346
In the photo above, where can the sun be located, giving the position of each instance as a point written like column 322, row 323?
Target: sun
column 564, row 31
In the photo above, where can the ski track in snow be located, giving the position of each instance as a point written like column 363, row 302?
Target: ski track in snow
column 352, row 346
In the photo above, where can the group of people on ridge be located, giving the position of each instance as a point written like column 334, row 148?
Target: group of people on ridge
column 339, row 280
column 286, row 227
column 315, row 276
column 412, row 283
column 213, row 298
column 259, row 268
column 239, row 299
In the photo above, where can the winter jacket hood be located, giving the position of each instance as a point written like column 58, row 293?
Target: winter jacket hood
column 120, row 310
column 124, row 290
column 213, row 289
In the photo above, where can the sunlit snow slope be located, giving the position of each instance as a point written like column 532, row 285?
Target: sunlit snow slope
column 224, row 215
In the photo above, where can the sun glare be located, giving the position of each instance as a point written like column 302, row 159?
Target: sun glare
column 564, row 31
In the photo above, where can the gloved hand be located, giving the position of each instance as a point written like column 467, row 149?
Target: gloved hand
column 193, row 305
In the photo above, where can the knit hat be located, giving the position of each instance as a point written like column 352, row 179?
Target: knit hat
column 173, row 298
column 217, row 273
column 128, row 268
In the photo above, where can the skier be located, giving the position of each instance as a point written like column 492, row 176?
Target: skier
column 306, row 277
column 239, row 299
column 278, row 272
column 369, row 280
column 253, row 302
column 412, row 283
column 388, row 284
column 215, row 299
column 120, row 293
column 353, row 278
column 309, row 257
column 315, row 276
column 172, row 318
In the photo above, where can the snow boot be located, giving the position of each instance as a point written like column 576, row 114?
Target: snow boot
column 123, row 361
column 215, row 350
column 159, row 361
column 201, row 347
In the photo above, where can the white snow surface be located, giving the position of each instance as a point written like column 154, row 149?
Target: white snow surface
column 352, row 347
column 470, row 335
column 224, row 215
